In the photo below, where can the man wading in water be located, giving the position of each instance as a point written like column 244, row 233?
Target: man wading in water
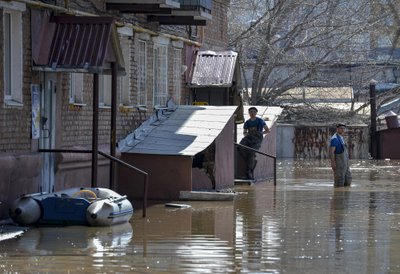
column 340, row 158
column 253, row 130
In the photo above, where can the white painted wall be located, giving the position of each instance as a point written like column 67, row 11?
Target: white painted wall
column 284, row 141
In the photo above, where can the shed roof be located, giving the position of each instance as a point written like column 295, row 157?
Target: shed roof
column 393, row 105
column 186, row 131
column 213, row 69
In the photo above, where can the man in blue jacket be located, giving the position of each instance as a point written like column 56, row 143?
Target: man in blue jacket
column 253, row 130
column 339, row 157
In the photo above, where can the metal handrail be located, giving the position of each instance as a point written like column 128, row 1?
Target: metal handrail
column 262, row 153
column 112, row 158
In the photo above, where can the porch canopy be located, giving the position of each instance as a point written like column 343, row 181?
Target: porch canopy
column 65, row 43
column 83, row 44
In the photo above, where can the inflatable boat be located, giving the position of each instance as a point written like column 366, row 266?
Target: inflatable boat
column 75, row 206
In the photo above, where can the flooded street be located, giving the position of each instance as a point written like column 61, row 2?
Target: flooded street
column 302, row 225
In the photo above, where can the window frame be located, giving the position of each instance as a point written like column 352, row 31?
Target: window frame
column 160, row 75
column 176, row 74
column 142, row 73
column 13, row 54
column 104, row 96
column 76, row 81
column 124, row 82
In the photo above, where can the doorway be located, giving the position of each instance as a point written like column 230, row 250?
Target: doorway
column 48, row 132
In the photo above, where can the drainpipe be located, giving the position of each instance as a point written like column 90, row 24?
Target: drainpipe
column 113, row 121
column 95, row 129
column 372, row 98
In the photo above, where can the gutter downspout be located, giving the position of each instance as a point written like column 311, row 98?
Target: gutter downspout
column 95, row 129
column 372, row 95
column 113, row 137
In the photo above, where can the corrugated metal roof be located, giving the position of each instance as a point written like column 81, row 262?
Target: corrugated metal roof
column 77, row 42
column 213, row 69
column 268, row 113
column 185, row 131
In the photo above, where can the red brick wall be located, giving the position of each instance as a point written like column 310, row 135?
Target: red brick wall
column 15, row 122
column 215, row 32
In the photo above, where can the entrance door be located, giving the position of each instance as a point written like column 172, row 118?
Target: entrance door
column 47, row 136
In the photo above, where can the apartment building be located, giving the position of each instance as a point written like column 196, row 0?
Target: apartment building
column 80, row 75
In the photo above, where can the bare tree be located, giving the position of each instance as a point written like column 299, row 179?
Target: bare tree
column 284, row 44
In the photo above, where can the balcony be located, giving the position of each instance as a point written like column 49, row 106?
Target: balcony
column 167, row 12
column 199, row 9
column 143, row 6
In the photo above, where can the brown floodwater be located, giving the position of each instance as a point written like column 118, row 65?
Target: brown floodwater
column 303, row 225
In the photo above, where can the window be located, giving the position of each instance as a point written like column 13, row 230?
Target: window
column 104, row 90
column 12, row 35
column 76, row 88
column 160, row 88
column 124, row 83
column 142, row 74
column 177, row 75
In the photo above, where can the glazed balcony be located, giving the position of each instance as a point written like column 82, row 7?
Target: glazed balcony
column 167, row 12
column 143, row 6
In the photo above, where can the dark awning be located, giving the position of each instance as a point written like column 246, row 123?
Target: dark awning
column 75, row 43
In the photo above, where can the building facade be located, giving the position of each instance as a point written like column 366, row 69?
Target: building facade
column 48, row 95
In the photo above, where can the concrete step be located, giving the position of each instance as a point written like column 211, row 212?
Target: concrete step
column 206, row 196
column 244, row 181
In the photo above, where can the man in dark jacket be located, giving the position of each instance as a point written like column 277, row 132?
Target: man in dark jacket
column 253, row 130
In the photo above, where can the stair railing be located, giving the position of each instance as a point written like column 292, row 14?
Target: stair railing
column 112, row 158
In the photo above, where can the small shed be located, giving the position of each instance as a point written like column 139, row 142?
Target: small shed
column 388, row 136
column 388, row 143
column 189, row 148
column 213, row 78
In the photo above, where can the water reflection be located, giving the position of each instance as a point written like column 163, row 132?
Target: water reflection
column 194, row 240
column 65, row 249
column 303, row 225
column 339, row 211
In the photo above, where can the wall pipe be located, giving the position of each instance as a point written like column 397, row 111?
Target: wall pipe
column 372, row 98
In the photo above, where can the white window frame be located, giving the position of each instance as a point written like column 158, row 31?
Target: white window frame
column 104, row 90
column 124, row 82
column 13, row 53
column 76, row 88
column 142, row 73
column 160, row 75
column 177, row 75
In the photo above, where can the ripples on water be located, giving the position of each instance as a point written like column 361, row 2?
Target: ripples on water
column 302, row 225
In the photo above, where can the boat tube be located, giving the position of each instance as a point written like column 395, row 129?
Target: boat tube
column 75, row 206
